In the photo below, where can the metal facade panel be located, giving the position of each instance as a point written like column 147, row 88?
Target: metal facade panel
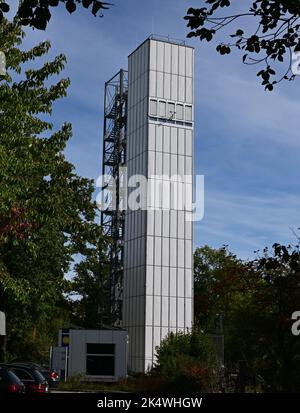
column 188, row 254
column 181, row 88
column 167, row 58
column 174, row 59
column 180, row 313
column 167, row 86
column 152, row 55
column 188, row 287
column 160, row 84
column 152, row 83
column 182, row 61
column 173, row 282
column 165, row 255
column 157, row 310
column 149, row 280
column 189, row 57
column 174, row 87
column 180, row 253
column 189, row 89
column 160, row 56
column 165, row 311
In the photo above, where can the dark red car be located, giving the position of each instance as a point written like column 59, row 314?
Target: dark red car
column 34, row 381
column 9, row 382
column 51, row 376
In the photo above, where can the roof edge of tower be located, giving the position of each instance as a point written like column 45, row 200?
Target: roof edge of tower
column 163, row 39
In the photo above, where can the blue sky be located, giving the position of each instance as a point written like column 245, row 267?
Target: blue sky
column 247, row 141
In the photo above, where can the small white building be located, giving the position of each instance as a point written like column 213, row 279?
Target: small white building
column 99, row 355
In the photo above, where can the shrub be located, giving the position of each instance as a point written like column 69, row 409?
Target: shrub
column 187, row 361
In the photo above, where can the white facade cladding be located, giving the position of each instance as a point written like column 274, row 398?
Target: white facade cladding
column 158, row 286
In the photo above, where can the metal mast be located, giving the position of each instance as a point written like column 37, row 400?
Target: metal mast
column 112, row 216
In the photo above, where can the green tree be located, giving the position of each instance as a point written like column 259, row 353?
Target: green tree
column 265, row 31
column 45, row 207
column 37, row 13
column 91, row 281
column 277, row 295
column 187, row 361
column 217, row 275
column 256, row 300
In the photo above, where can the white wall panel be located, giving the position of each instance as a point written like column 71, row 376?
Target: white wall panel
column 188, row 142
column 188, row 197
column 173, row 282
column 149, row 279
column 173, row 312
column 173, row 225
column 150, row 222
column 160, row 56
column 152, row 83
column 173, row 249
column 150, row 250
column 167, row 58
column 157, row 249
column 174, row 169
column 151, row 163
column 188, row 166
column 165, row 252
column 181, row 224
column 180, row 253
column 189, row 90
column 158, row 160
column 189, row 61
column 181, row 166
column 160, row 84
column 148, row 342
column 180, row 282
column 165, row 311
column 188, row 312
column 166, row 223
column 174, row 132
column 188, row 228
column 174, row 87
column 159, row 138
column 180, row 313
column 166, row 193
column 157, row 310
column 166, row 139
column 158, row 223
column 157, row 281
column 181, row 141
column 167, row 87
column 181, row 88
column 165, row 281
column 174, row 59
column 181, row 68
column 152, row 55
column 188, row 283
column 188, row 254
column 166, row 164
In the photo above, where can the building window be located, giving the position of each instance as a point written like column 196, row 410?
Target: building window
column 100, row 359
column 162, row 109
column 153, row 107
column 188, row 113
column 179, row 111
column 171, row 110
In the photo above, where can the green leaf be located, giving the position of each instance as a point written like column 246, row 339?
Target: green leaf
column 4, row 7
column 70, row 6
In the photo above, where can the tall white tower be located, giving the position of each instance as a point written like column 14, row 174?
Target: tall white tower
column 158, row 278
